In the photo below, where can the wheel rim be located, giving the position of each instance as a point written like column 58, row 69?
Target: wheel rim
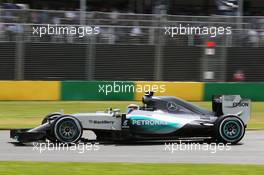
column 67, row 130
column 231, row 130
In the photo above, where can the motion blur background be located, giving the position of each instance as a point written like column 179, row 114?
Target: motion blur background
column 132, row 44
column 132, row 47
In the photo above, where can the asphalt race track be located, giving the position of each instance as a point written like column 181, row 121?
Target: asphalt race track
column 250, row 151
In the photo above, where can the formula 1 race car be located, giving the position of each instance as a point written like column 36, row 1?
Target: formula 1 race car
column 160, row 118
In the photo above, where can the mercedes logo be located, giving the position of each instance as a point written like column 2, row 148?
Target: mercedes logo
column 171, row 106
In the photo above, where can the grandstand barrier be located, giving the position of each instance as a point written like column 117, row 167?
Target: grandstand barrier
column 254, row 91
column 124, row 90
column 29, row 90
column 128, row 90
column 97, row 90
column 192, row 91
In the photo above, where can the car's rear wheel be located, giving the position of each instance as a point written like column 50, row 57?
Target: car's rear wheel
column 68, row 129
column 229, row 129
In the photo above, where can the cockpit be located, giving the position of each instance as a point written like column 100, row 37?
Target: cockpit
column 171, row 105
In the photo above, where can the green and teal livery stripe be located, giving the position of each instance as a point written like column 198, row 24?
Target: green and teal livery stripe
column 155, row 125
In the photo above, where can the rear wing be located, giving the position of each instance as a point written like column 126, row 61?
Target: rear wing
column 232, row 105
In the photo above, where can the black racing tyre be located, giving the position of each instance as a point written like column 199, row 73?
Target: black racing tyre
column 50, row 133
column 229, row 129
column 50, row 116
column 68, row 129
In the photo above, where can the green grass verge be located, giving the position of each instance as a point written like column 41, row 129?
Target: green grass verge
column 42, row 168
column 23, row 114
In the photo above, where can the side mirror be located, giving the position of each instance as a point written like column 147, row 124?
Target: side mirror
column 149, row 94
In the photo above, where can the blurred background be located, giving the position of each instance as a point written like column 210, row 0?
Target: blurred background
column 132, row 44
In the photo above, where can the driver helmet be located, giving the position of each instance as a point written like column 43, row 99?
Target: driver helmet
column 132, row 107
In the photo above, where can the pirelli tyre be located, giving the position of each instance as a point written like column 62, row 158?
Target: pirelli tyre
column 68, row 129
column 229, row 129
column 51, row 116
column 50, row 133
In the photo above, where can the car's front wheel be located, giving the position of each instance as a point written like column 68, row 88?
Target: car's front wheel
column 68, row 129
column 50, row 133
column 229, row 129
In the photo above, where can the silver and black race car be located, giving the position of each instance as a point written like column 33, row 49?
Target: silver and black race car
column 160, row 118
